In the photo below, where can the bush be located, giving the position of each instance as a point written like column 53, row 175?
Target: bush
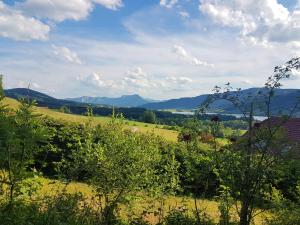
column 179, row 217
column 62, row 210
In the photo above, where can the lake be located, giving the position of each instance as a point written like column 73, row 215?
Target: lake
column 238, row 116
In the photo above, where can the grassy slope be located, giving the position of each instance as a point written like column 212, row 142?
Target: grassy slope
column 143, row 127
column 210, row 207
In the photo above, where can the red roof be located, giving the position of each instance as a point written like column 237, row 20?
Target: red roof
column 291, row 126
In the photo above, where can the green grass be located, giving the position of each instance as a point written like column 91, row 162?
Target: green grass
column 209, row 207
column 168, row 135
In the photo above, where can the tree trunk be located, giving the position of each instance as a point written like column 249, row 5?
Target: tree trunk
column 244, row 215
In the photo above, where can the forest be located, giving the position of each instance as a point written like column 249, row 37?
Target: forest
column 54, row 171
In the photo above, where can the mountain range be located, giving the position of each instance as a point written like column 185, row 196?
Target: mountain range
column 123, row 101
column 283, row 101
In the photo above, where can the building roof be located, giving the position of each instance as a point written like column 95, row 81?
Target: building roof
column 291, row 126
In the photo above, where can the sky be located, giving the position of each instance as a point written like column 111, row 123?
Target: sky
column 159, row 49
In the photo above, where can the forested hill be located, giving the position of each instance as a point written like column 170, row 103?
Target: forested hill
column 41, row 99
column 284, row 99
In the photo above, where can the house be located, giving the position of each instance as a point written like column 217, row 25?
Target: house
column 283, row 132
column 290, row 127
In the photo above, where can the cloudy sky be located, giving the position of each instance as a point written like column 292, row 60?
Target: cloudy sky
column 156, row 48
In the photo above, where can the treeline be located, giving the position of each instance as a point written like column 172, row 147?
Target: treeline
column 136, row 114
column 159, row 117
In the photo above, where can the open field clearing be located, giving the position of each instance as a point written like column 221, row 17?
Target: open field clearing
column 208, row 207
column 168, row 135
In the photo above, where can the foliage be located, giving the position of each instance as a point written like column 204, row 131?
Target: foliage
column 20, row 135
column 183, row 217
column 251, row 166
column 149, row 117
column 120, row 164
column 1, row 88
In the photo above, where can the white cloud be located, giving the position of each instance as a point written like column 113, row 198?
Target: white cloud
column 184, row 14
column 168, row 3
column 66, row 54
column 263, row 20
column 35, row 85
column 295, row 74
column 14, row 25
column 153, row 52
column 24, row 84
column 176, row 83
column 198, row 62
column 179, row 80
column 93, row 80
column 23, row 20
column 57, row 10
column 248, row 82
column 110, row 4
column 60, row 10
column 137, row 78
column 181, row 52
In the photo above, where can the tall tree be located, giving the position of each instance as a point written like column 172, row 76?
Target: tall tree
column 1, row 87
column 20, row 136
column 250, row 166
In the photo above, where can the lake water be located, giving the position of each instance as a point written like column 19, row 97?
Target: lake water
column 238, row 116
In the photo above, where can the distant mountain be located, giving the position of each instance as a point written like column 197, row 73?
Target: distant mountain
column 123, row 101
column 41, row 99
column 283, row 100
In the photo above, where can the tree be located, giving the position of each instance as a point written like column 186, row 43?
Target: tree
column 1, row 88
column 249, row 167
column 121, row 164
column 149, row 117
column 20, row 136
column 65, row 109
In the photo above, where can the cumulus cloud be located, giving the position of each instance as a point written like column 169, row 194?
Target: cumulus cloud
column 135, row 81
column 168, row 3
column 176, row 83
column 137, row 78
column 110, row 4
column 264, row 20
column 66, row 54
column 182, row 53
column 58, row 10
column 184, row 14
column 23, row 21
column 14, row 25
column 93, row 80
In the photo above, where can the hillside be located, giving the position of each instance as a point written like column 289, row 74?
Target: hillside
column 131, row 113
column 123, row 101
column 169, row 135
column 41, row 99
column 283, row 100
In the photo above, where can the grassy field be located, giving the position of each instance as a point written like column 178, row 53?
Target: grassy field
column 209, row 207
column 168, row 135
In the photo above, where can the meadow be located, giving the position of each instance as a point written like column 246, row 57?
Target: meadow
column 169, row 135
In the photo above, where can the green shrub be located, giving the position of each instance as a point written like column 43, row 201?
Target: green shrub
column 179, row 217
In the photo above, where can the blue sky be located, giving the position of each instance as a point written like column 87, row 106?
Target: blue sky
column 156, row 48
